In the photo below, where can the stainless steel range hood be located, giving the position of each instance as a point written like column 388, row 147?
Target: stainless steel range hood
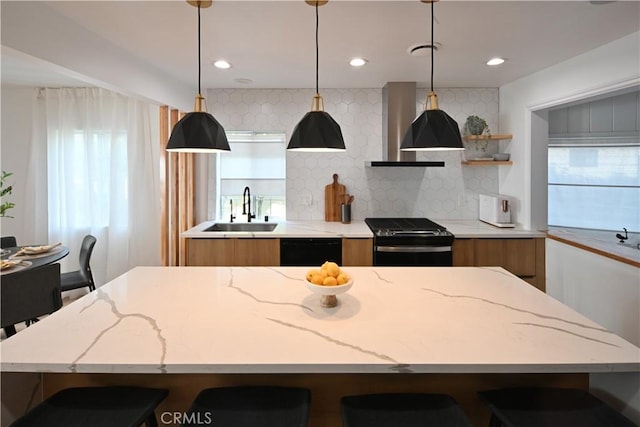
column 398, row 112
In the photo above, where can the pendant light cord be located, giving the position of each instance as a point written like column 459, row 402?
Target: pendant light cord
column 199, row 66
column 432, row 45
column 317, row 21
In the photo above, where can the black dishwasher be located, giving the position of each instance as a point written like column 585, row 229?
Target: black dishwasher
column 310, row 251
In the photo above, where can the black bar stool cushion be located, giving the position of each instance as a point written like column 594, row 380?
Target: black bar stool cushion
column 250, row 406
column 550, row 407
column 402, row 410
column 95, row 407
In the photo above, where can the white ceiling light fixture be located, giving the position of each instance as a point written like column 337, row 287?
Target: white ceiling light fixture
column 495, row 61
column 358, row 62
column 222, row 64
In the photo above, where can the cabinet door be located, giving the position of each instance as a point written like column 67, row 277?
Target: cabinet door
column 463, row 252
column 357, row 252
column 515, row 255
column 210, row 252
column 256, row 252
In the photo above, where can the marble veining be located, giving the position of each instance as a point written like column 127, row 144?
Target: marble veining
column 542, row 316
column 265, row 320
column 103, row 297
column 263, row 301
column 337, row 342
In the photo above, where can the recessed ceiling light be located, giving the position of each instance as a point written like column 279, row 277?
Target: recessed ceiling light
column 222, row 64
column 358, row 62
column 495, row 61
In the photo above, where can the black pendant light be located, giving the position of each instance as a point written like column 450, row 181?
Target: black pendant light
column 317, row 131
column 433, row 130
column 199, row 131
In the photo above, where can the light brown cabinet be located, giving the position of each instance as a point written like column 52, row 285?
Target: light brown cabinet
column 523, row 257
column 357, row 252
column 264, row 252
column 233, row 252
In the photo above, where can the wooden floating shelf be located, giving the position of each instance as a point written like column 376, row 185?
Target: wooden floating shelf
column 487, row 162
column 487, row 137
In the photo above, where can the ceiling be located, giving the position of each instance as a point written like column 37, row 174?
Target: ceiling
column 270, row 44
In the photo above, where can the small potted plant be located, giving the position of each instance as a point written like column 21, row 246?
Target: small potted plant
column 476, row 125
column 5, row 191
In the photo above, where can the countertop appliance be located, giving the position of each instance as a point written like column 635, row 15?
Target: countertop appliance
column 410, row 242
column 495, row 209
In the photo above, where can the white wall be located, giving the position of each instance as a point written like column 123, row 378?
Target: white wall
column 14, row 154
column 447, row 193
column 601, row 70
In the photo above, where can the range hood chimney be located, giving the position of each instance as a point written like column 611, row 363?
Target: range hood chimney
column 398, row 112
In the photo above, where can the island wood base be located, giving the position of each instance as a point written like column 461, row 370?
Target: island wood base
column 326, row 389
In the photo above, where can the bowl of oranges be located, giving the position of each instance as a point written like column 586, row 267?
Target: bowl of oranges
column 329, row 280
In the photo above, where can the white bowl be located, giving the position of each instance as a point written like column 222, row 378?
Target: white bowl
column 501, row 157
column 329, row 290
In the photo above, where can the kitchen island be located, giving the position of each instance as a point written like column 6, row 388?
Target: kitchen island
column 453, row 330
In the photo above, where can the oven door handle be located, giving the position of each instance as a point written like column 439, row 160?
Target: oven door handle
column 413, row 249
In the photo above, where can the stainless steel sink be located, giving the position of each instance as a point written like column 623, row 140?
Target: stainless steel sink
column 245, row 226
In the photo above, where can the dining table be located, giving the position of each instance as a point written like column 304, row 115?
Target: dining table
column 29, row 261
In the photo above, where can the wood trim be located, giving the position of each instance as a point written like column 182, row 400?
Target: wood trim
column 593, row 250
column 541, row 265
column 487, row 137
column 173, row 199
column 487, row 162
column 164, row 186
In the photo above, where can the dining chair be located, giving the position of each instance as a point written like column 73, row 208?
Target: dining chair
column 105, row 406
column 549, row 406
column 8, row 242
column 250, row 406
column 27, row 294
column 82, row 277
column 402, row 409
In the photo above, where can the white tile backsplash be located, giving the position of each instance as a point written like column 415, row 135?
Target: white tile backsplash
column 448, row 193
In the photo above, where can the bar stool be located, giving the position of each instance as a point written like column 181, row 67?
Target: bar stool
column 250, row 406
column 402, row 409
column 550, row 407
column 96, row 407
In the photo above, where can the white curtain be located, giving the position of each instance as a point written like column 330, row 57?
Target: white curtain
column 102, row 178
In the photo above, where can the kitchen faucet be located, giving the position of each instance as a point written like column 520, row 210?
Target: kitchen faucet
column 621, row 237
column 246, row 204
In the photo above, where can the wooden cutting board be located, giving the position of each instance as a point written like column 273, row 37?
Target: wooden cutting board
column 332, row 197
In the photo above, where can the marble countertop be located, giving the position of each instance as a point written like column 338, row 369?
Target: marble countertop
column 265, row 320
column 358, row 229
column 600, row 242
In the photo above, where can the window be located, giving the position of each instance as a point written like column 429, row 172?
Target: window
column 594, row 183
column 86, row 183
column 257, row 160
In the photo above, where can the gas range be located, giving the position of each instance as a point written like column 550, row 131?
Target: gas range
column 410, row 241
column 386, row 227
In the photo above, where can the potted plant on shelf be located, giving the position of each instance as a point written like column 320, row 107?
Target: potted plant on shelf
column 5, row 191
column 475, row 125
